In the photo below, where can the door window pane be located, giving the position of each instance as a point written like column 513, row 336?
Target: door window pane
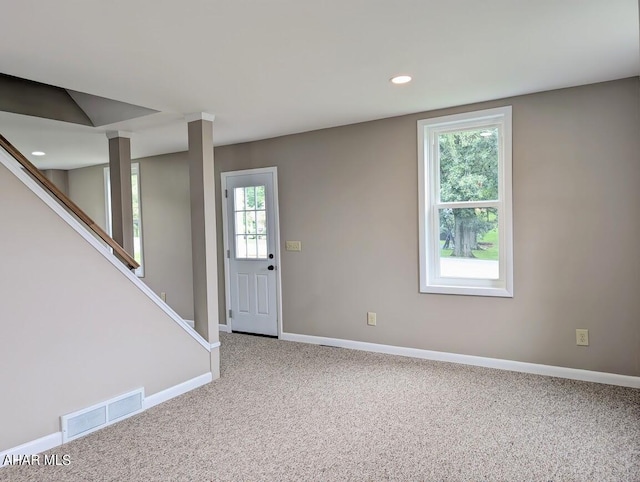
column 239, row 199
column 261, row 222
column 262, row 246
column 250, row 217
column 259, row 197
column 252, row 247
column 250, row 197
column 241, row 246
column 240, row 223
column 251, row 222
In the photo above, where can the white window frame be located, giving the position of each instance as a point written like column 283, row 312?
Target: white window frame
column 135, row 169
column 428, row 188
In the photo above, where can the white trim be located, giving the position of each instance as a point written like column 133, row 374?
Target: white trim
column 55, row 439
column 106, row 174
column 215, row 344
column 177, row 390
column 221, row 327
column 500, row 364
column 34, row 447
column 469, row 290
column 224, row 328
column 225, row 237
column 195, row 116
column 116, row 134
column 10, row 163
column 431, row 280
column 136, row 169
column 276, row 212
column 225, row 250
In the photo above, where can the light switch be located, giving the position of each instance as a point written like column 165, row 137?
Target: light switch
column 293, row 246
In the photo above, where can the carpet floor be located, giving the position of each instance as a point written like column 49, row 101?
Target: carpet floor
column 288, row 411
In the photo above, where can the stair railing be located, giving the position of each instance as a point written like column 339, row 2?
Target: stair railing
column 73, row 207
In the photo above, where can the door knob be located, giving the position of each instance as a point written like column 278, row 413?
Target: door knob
column 271, row 267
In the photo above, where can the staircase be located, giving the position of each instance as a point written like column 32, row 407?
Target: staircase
column 79, row 329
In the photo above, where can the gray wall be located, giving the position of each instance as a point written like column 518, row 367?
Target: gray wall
column 86, row 189
column 166, row 222
column 59, row 177
column 350, row 195
column 75, row 331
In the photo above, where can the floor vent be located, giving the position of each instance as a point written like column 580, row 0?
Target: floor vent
column 98, row 416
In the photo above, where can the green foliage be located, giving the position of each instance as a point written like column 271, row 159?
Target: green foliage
column 468, row 172
column 250, row 210
column 468, row 165
column 254, row 197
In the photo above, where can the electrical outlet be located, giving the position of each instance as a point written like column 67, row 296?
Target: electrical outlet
column 293, row 245
column 582, row 337
column 163, row 296
column 371, row 318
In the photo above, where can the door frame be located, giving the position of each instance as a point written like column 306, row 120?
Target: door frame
column 225, row 236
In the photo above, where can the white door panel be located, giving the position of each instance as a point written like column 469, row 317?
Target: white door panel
column 262, row 294
column 243, row 292
column 252, row 251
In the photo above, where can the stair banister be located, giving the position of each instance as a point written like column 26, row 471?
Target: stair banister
column 73, row 207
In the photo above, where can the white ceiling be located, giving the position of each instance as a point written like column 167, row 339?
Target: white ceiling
column 269, row 68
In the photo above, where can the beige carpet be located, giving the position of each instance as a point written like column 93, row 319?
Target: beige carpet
column 288, row 411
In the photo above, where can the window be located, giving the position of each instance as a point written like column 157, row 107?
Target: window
column 137, row 214
column 250, row 222
column 465, row 204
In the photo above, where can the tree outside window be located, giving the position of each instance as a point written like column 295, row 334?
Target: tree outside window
column 465, row 208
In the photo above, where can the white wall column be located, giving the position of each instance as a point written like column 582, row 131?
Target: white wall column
column 120, row 177
column 203, row 230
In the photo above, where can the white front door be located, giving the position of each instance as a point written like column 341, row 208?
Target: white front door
column 251, row 243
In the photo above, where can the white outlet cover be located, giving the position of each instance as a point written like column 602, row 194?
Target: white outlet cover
column 582, row 337
column 371, row 318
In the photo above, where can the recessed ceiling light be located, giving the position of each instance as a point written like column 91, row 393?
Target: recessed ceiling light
column 37, row 153
column 401, row 79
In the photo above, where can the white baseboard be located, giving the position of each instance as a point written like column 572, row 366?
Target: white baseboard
column 55, row 439
column 515, row 366
column 34, row 447
column 177, row 390
column 221, row 327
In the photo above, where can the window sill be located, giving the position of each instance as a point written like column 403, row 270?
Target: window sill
column 467, row 291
